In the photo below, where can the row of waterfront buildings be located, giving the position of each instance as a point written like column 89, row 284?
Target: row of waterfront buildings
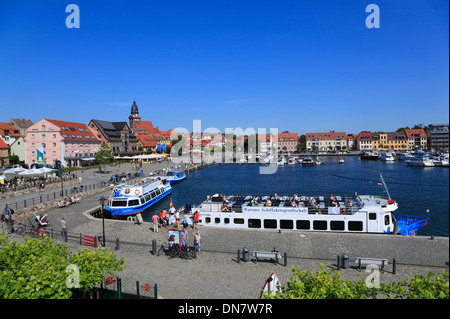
column 74, row 144
column 434, row 137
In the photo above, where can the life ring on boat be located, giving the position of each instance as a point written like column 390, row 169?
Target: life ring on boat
column 137, row 191
column 127, row 191
column 225, row 207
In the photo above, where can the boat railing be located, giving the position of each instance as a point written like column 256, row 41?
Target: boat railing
column 317, row 203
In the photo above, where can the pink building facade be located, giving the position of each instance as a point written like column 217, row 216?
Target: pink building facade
column 48, row 141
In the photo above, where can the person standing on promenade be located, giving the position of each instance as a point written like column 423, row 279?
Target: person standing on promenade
column 184, row 236
column 196, row 218
column 197, row 241
column 185, row 221
column 155, row 219
column 64, row 229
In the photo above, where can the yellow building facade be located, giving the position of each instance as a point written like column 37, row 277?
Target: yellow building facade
column 389, row 140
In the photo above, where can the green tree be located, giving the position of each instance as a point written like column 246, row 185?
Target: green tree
column 36, row 268
column 301, row 142
column 104, row 155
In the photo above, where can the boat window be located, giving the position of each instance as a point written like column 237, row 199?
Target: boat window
column 142, row 199
column 147, row 198
column 372, row 216
column 270, row 223
column 226, row 220
column 337, row 225
column 320, row 225
column 119, row 203
column 355, row 226
column 387, row 220
column 238, row 220
column 254, row 223
column 286, row 224
column 153, row 194
column 303, row 224
column 158, row 191
column 217, row 220
column 207, row 220
column 133, row 202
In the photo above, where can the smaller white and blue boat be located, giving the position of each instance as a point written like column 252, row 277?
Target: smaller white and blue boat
column 421, row 160
column 175, row 177
column 128, row 200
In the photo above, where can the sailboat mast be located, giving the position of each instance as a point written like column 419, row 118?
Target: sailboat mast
column 384, row 185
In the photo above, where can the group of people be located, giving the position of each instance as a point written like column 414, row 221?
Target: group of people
column 41, row 186
column 74, row 199
column 172, row 217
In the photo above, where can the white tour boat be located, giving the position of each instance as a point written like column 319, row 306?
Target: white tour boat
column 387, row 157
column 357, row 213
column 129, row 200
column 332, row 213
column 404, row 156
column 421, row 160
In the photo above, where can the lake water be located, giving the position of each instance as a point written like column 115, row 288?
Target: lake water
column 415, row 189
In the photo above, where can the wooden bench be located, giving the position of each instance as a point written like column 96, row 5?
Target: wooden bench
column 371, row 261
column 267, row 255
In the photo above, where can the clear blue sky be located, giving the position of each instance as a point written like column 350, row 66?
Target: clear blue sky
column 298, row 65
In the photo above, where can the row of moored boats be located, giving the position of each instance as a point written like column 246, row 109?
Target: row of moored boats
column 422, row 159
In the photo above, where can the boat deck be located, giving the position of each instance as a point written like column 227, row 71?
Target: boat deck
column 314, row 203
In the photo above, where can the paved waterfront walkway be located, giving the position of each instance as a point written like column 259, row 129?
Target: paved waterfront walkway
column 216, row 274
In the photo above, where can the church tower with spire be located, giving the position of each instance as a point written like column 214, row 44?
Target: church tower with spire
column 134, row 118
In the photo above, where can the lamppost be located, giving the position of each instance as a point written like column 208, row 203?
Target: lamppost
column 102, row 201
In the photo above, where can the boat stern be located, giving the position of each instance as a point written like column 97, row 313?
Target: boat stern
column 408, row 225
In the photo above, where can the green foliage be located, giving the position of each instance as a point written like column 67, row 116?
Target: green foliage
column 327, row 284
column 95, row 266
column 104, row 155
column 36, row 269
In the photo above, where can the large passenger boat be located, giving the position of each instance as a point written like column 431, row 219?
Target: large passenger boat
column 335, row 213
column 127, row 200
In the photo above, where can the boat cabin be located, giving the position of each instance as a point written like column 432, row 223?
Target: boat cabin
column 346, row 213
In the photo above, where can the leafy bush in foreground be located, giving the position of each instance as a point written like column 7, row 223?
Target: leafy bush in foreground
column 327, row 284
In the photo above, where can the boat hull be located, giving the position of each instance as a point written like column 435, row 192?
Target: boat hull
column 369, row 157
column 419, row 164
column 175, row 180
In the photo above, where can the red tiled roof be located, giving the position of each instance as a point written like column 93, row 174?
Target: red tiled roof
column 410, row 133
column 3, row 144
column 75, row 131
column 147, row 140
column 366, row 135
column 147, row 126
column 13, row 131
column 325, row 136
column 288, row 136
